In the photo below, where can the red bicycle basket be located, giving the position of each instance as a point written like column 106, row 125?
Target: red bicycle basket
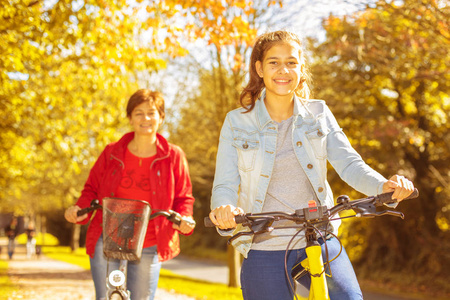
column 124, row 226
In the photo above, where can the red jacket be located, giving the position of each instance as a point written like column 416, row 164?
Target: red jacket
column 169, row 182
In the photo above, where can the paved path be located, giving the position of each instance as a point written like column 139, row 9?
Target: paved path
column 198, row 269
column 45, row 278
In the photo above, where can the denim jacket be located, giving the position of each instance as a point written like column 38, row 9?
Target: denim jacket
column 246, row 156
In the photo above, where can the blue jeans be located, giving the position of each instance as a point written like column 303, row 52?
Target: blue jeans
column 142, row 277
column 263, row 274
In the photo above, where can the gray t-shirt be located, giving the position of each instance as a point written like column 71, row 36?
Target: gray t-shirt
column 289, row 189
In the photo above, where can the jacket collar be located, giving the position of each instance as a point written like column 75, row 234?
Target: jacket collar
column 263, row 117
column 162, row 146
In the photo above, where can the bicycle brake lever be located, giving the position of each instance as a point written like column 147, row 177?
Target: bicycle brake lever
column 372, row 214
column 239, row 235
column 369, row 210
column 262, row 225
column 257, row 226
column 391, row 213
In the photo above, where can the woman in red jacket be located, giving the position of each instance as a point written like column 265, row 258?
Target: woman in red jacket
column 141, row 165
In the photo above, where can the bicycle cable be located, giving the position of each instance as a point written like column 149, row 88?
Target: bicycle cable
column 291, row 284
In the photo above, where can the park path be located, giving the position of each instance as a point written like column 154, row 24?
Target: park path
column 45, row 278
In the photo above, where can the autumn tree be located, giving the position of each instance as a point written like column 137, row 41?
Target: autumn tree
column 66, row 71
column 66, row 74
column 385, row 73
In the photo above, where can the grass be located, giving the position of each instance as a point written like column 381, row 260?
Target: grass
column 41, row 239
column 197, row 289
column 79, row 257
column 6, row 286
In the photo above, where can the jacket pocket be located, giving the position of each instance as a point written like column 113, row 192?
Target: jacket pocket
column 317, row 136
column 247, row 148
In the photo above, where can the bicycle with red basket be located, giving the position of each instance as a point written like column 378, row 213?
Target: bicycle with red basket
column 124, row 227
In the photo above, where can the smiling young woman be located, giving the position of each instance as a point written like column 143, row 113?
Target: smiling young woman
column 272, row 156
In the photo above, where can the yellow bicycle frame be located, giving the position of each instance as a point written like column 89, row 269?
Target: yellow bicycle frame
column 314, row 265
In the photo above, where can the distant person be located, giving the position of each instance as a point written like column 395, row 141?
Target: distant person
column 141, row 165
column 11, row 232
column 272, row 156
column 38, row 251
column 31, row 240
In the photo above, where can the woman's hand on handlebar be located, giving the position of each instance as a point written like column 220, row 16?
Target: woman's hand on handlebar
column 401, row 186
column 186, row 226
column 71, row 214
column 223, row 216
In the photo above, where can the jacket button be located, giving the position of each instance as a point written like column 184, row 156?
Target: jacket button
column 320, row 189
column 299, row 144
column 112, row 194
column 310, row 166
column 319, row 133
column 245, row 146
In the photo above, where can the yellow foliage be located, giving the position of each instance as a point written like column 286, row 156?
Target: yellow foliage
column 75, row 68
column 41, row 239
column 443, row 223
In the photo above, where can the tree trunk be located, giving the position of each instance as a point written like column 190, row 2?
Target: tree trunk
column 75, row 240
column 234, row 267
column 43, row 228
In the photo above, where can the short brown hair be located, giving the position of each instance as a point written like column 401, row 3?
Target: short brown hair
column 143, row 95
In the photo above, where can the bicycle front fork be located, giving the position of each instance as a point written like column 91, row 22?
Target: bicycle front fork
column 319, row 287
column 116, row 282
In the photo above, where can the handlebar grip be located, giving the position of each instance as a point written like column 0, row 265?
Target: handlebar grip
column 239, row 219
column 208, row 222
column 84, row 211
column 174, row 217
column 386, row 198
column 95, row 204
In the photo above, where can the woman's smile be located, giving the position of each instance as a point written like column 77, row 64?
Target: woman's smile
column 282, row 81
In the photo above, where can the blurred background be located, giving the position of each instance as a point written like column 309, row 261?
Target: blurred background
column 67, row 69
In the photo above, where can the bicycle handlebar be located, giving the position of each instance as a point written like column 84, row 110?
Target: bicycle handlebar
column 365, row 207
column 170, row 215
column 95, row 204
